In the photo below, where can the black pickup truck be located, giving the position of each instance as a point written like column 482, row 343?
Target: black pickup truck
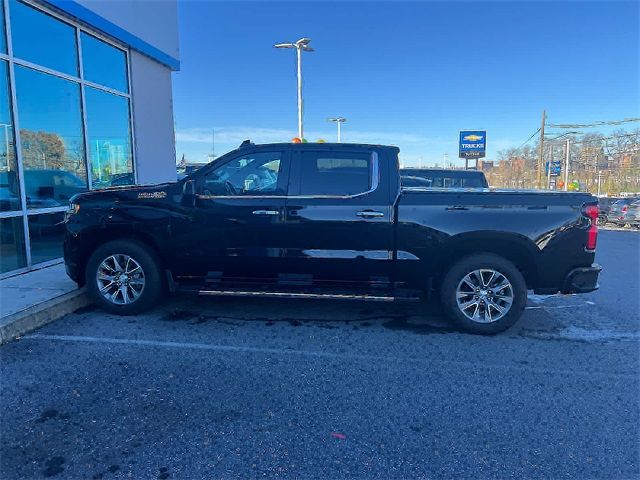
column 330, row 221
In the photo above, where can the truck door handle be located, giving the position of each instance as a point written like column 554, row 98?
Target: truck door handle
column 265, row 212
column 457, row 207
column 370, row 214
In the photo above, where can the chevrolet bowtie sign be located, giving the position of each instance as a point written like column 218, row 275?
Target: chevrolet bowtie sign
column 473, row 144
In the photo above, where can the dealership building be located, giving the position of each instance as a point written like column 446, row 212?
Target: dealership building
column 85, row 103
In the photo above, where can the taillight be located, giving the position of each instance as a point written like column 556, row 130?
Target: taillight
column 591, row 212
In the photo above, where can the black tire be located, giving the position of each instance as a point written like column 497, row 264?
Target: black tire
column 454, row 277
column 150, row 265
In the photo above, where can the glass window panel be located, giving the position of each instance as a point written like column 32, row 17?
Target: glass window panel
column 252, row 174
column 109, row 138
column 3, row 30
column 42, row 39
column 51, row 138
column 328, row 173
column 103, row 63
column 9, row 186
column 46, row 234
column 12, row 251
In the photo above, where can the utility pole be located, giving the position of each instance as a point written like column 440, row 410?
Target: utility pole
column 567, row 155
column 541, row 154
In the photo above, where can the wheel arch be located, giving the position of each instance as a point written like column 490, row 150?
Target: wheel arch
column 97, row 237
column 515, row 248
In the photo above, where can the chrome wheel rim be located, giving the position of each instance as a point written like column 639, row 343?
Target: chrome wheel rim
column 120, row 279
column 484, row 295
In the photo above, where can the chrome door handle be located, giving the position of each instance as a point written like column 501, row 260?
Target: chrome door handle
column 456, row 208
column 370, row 214
column 265, row 212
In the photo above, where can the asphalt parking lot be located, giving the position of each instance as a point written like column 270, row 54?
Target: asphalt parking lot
column 234, row 388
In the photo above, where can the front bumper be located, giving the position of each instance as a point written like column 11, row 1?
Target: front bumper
column 71, row 256
column 582, row 280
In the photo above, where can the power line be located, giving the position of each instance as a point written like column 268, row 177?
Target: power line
column 527, row 140
column 598, row 139
column 594, row 124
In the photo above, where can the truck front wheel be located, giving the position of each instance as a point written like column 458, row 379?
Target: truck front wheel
column 123, row 277
column 484, row 294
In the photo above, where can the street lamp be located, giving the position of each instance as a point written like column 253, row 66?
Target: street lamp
column 338, row 121
column 300, row 45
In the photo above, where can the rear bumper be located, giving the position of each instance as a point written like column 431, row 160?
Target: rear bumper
column 582, row 280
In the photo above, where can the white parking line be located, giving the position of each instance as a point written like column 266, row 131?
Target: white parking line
column 310, row 353
column 556, row 307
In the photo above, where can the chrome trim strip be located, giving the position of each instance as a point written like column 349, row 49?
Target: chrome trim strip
column 331, row 296
column 375, row 182
column 265, row 212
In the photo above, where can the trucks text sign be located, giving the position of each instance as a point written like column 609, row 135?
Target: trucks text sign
column 473, row 143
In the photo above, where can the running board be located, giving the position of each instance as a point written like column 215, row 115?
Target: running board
column 326, row 296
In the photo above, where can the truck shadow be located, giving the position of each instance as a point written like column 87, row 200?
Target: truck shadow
column 419, row 317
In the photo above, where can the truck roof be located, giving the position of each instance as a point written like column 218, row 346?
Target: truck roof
column 315, row 145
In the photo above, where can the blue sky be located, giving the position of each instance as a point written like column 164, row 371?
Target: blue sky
column 410, row 74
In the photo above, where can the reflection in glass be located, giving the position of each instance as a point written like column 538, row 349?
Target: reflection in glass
column 46, row 233
column 255, row 173
column 109, row 139
column 42, row 39
column 3, row 30
column 103, row 63
column 12, row 251
column 51, row 138
column 9, row 186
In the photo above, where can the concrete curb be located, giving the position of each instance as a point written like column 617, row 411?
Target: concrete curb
column 36, row 316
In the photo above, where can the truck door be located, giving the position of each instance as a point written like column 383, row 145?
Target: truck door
column 339, row 227
column 238, row 219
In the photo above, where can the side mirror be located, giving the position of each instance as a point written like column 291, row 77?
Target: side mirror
column 189, row 188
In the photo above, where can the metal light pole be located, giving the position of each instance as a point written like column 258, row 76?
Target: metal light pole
column 549, row 167
column 567, row 155
column 338, row 121
column 300, row 45
column 599, row 181
column 6, row 141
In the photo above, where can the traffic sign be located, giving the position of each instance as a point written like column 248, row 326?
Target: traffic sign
column 556, row 168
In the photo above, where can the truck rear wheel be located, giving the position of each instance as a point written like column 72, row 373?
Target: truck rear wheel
column 123, row 277
column 484, row 294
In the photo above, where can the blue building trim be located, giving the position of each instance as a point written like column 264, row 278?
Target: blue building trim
column 91, row 18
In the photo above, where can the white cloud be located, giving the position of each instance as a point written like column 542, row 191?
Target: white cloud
column 415, row 149
column 233, row 135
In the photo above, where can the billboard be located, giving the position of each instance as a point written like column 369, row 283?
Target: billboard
column 473, row 144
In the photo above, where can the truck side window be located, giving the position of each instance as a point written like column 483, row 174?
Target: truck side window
column 332, row 173
column 251, row 174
